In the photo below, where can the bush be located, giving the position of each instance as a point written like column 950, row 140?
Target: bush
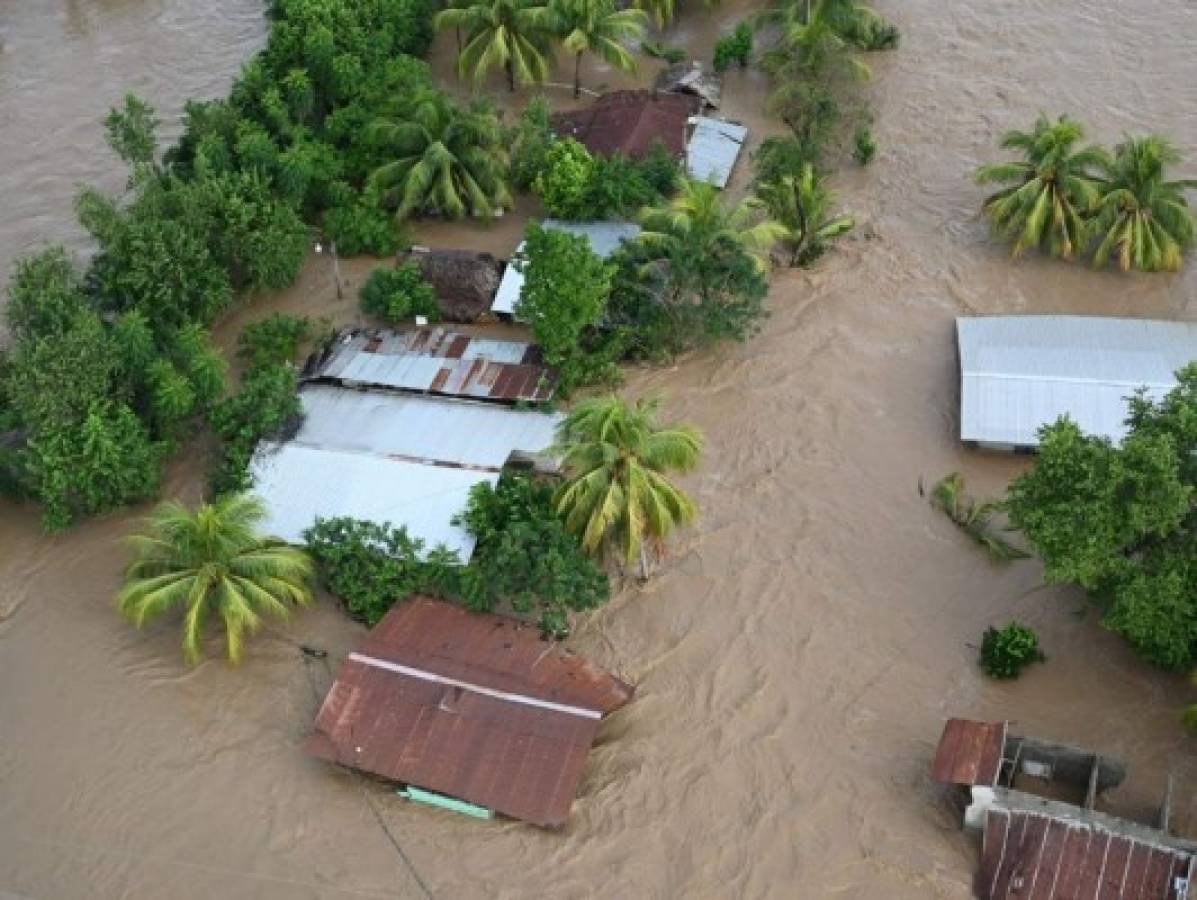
column 530, row 140
column 399, row 295
column 657, row 50
column 734, row 48
column 563, row 185
column 778, row 157
column 266, row 406
column 864, row 148
column 1005, row 653
column 575, row 185
column 273, row 340
column 359, row 226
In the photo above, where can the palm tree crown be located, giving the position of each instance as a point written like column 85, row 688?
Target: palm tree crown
column 616, row 459
column 802, row 205
column 512, row 35
column 1143, row 220
column 1050, row 192
column 450, row 160
column 596, row 26
column 212, row 561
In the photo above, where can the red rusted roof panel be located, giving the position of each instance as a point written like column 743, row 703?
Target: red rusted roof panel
column 630, row 122
column 969, row 752
column 471, row 705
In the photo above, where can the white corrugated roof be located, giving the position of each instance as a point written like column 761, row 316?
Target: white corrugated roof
column 713, row 149
column 604, row 238
column 1019, row 373
column 421, row 428
column 300, row 483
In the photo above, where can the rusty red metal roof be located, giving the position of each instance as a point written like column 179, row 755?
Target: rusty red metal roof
column 630, row 122
column 969, row 752
column 1043, row 857
column 472, row 705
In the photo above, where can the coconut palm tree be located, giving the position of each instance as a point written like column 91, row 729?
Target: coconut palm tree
column 449, row 160
column 802, row 205
column 513, row 35
column 596, row 26
column 617, row 494
column 697, row 223
column 211, row 561
column 1050, row 192
column 1143, row 221
column 852, row 21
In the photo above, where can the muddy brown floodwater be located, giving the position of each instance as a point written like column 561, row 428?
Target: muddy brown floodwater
column 801, row 647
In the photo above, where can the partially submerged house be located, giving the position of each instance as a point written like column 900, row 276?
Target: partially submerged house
column 1059, row 847
column 691, row 78
column 465, row 281
column 604, row 239
column 630, row 123
column 471, row 706
column 1019, row 373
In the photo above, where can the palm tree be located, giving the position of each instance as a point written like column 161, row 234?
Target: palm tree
column 695, row 222
column 616, row 460
column 1052, row 190
column 213, row 561
column 513, row 35
column 449, row 160
column 812, row 44
column 1142, row 220
column 802, row 206
column 596, row 26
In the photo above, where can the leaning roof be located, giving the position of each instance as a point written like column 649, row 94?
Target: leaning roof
column 713, row 149
column 475, row 706
column 1019, row 373
column 604, row 237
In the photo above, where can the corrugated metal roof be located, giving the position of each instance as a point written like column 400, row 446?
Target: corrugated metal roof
column 604, row 238
column 299, row 483
column 475, row 706
column 713, row 149
column 417, row 428
column 1019, row 373
column 969, row 752
column 438, row 361
column 1029, row 854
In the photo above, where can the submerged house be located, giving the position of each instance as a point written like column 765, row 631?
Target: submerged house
column 630, row 123
column 474, row 707
column 1019, row 373
column 465, row 281
column 1059, row 847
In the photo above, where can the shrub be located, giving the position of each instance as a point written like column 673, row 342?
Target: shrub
column 266, row 406
column 1006, row 652
column 359, row 225
column 864, row 148
column 564, row 183
column 657, row 50
column 530, row 140
column 779, row 157
column 734, row 48
column 273, row 340
column 399, row 295
column 575, row 185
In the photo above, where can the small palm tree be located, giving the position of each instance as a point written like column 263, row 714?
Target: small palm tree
column 1051, row 190
column 212, row 561
column 513, row 35
column 802, row 205
column 1143, row 221
column 450, row 160
column 696, row 221
column 616, row 460
column 596, row 26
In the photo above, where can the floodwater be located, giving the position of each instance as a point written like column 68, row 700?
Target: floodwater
column 799, row 650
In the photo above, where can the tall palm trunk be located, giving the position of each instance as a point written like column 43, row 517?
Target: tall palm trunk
column 511, row 77
column 578, row 75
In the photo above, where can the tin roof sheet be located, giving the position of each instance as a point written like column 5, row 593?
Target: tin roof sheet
column 969, row 752
column 475, row 706
column 604, row 238
column 713, row 149
column 1019, row 373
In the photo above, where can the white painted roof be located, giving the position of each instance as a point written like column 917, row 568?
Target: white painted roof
column 713, row 149
column 604, row 238
column 1019, row 373
column 300, row 483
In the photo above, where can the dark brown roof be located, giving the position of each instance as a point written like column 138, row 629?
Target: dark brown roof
column 471, row 705
column 465, row 281
column 969, row 752
column 630, row 122
column 1032, row 855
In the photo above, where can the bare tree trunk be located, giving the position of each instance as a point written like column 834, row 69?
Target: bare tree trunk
column 511, row 77
column 643, row 564
column 578, row 75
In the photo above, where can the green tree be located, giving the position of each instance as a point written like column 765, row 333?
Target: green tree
column 530, row 141
column 598, row 27
column 565, row 293
column 802, row 205
column 616, row 459
column 447, row 160
column 132, row 131
column 399, row 295
column 512, row 35
column 45, row 294
column 1143, row 220
column 565, row 181
column 212, row 561
column 1118, row 520
column 1050, row 191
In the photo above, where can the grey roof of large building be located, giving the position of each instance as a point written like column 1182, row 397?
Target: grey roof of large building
column 1019, row 373
column 713, row 149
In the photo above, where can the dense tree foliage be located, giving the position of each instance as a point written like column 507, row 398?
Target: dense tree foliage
column 399, row 295
column 734, row 47
column 1118, row 520
column 573, row 184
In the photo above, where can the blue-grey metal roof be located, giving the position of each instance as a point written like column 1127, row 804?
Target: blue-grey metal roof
column 1019, row 373
column 604, row 238
column 713, row 149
